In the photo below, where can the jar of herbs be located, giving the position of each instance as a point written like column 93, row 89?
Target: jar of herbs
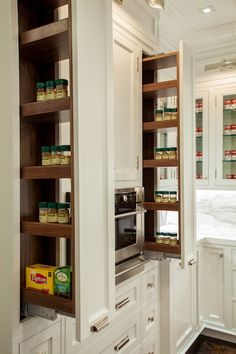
column 159, row 115
column 165, row 197
column 52, row 212
column 46, row 155
column 40, row 94
column 158, row 197
column 61, row 88
column 172, row 153
column 174, row 114
column 43, row 212
column 63, row 213
column 159, row 237
column 173, row 238
column 55, row 155
column 173, row 197
column 65, row 154
column 166, row 238
column 158, row 153
column 167, row 114
column 165, row 153
column 50, row 90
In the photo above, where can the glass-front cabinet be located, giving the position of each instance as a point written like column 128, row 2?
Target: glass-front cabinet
column 226, row 137
column 201, row 133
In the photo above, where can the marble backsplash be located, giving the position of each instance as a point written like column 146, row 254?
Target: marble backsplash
column 216, row 213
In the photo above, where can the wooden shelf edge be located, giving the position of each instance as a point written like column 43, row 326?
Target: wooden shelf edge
column 159, row 86
column 46, row 172
column 157, row 247
column 49, row 230
column 153, row 126
column 160, row 163
column 42, row 4
column 160, row 56
column 161, row 206
column 44, row 107
column 58, row 303
column 161, row 61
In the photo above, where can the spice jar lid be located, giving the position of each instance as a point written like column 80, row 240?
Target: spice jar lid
column 166, row 109
column 173, row 192
column 65, row 148
column 43, row 204
column 158, row 149
column 159, row 111
column 49, row 83
column 40, row 85
column 158, row 233
column 165, row 192
column 55, row 148
column 45, row 149
column 52, row 205
column 61, row 82
column 158, row 192
column 173, row 109
column 63, row 205
column 172, row 149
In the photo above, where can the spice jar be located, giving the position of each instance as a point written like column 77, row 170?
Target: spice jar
column 63, row 213
column 159, row 115
column 228, row 155
column 227, row 104
column 52, row 212
column 55, row 155
column 174, row 114
column 158, row 197
column 173, row 153
column 167, row 114
column 50, row 90
column 46, row 155
column 227, row 129
column 229, row 176
column 166, row 238
column 233, row 155
column 233, row 104
column 233, row 129
column 159, row 237
column 165, row 154
column 173, row 239
column 165, row 197
column 43, row 212
column 173, row 197
column 40, row 91
column 158, row 153
column 65, row 154
column 61, row 88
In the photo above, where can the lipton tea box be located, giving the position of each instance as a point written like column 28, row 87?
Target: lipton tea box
column 40, row 277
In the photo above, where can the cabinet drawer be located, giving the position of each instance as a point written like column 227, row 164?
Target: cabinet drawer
column 45, row 342
column 151, row 345
column 150, row 318
column 150, row 285
column 128, row 297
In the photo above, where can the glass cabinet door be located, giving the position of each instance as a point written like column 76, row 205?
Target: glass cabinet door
column 226, row 135
column 201, row 133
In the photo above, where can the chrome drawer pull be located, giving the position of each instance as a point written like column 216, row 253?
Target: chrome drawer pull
column 192, row 262
column 120, row 345
column 150, row 319
column 97, row 327
column 122, row 303
column 150, row 285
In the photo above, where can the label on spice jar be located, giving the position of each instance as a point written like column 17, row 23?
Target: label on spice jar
column 227, row 104
column 233, row 155
column 228, row 155
column 228, row 129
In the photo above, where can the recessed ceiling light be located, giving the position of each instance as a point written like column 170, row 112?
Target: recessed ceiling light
column 207, row 10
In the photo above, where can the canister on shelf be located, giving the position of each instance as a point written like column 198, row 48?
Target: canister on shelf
column 50, row 90
column 46, row 155
column 61, row 88
column 65, row 154
column 173, row 197
column 52, row 212
column 159, row 115
column 174, row 114
column 63, row 216
column 166, row 238
column 159, row 237
column 158, row 153
column 43, row 212
column 165, row 197
column 167, row 114
column 173, row 239
column 55, row 155
column 172, row 153
column 158, row 196
column 40, row 91
column 165, row 154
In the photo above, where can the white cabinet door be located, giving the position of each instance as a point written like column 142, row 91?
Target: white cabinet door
column 127, row 119
column 212, row 284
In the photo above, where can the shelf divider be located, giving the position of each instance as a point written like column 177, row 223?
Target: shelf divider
column 49, row 230
column 165, row 124
column 46, row 172
column 161, row 206
column 44, row 107
column 158, row 247
column 160, row 163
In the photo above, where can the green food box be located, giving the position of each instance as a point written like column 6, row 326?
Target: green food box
column 62, row 281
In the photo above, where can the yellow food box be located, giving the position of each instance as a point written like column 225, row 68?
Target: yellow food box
column 40, row 277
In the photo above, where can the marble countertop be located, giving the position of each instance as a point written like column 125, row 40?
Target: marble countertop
column 225, row 240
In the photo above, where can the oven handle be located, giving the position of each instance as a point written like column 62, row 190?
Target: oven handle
column 131, row 213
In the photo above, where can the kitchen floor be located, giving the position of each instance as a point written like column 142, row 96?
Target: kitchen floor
column 207, row 345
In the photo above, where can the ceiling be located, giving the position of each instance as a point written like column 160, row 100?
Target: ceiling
column 209, row 35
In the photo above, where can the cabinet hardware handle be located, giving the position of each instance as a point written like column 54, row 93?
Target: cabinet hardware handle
column 122, row 343
column 137, row 163
column 150, row 285
column 221, row 255
column 150, row 319
column 138, row 212
column 122, row 303
column 97, row 327
column 192, row 262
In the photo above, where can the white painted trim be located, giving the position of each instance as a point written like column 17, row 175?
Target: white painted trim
column 191, row 340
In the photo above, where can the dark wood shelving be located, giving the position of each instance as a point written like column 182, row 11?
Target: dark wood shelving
column 161, row 206
column 160, row 163
column 158, row 247
column 45, row 107
column 44, row 4
column 165, row 124
column 46, row 172
column 159, row 62
column 160, row 89
column 58, row 303
column 46, row 43
column 49, row 230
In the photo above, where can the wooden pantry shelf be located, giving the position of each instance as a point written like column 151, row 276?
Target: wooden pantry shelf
column 153, row 246
column 160, row 163
column 50, row 230
column 45, row 107
column 161, row 206
column 46, row 172
column 165, row 124
column 58, row 303
column 43, row 4
column 160, row 61
column 48, row 43
column 160, row 89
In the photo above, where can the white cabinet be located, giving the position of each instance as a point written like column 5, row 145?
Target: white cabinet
column 127, row 111
column 151, row 345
